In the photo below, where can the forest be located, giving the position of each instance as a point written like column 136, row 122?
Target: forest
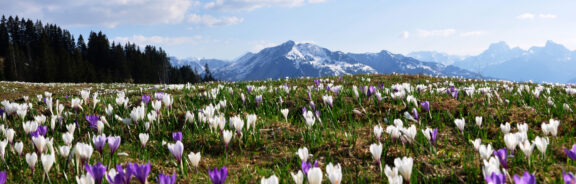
column 31, row 51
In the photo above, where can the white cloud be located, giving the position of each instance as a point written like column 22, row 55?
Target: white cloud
column 249, row 5
column 209, row 21
column 471, row 33
column 316, row 1
column 405, row 34
column 108, row 13
column 141, row 40
column 262, row 44
column 435, row 33
column 547, row 16
column 526, row 16
column 423, row 33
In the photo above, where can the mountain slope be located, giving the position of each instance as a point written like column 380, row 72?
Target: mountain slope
column 292, row 59
column 433, row 56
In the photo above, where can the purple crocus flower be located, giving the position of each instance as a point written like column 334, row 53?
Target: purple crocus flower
column 166, row 179
column 145, row 99
column 304, row 110
column 317, row 82
column 140, row 172
column 249, row 89
column 502, row 155
column 312, row 105
column 96, row 171
column 2, row 176
column 114, row 143
column 495, row 178
column 415, row 114
column 258, row 100
column 40, row 131
column 527, row 178
column 93, row 120
column 305, row 166
column 158, row 95
column 571, row 153
column 1, row 111
column 569, row 178
column 318, row 114
column 425, row 105
column 218, row 176
column 177, row 136
column 371, row 91
column 99, row 142
column 433, row 136
column 121, row 177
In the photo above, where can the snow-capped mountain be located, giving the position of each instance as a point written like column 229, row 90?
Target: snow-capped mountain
column 433, row 56
column 198, row 64
column 549, row 63
column 292, row 59
column 496, row 53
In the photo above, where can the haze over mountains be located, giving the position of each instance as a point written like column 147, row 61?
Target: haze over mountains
column 292, row 59
column 549, row 63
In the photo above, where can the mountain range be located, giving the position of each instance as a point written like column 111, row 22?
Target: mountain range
column 549, row 63
column 291, row 59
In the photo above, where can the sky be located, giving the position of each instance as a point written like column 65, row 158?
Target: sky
column 227, row 29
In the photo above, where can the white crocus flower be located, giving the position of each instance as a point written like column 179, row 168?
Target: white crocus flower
column 392, row 174
column 315, row 176
column 270, row 180
column 298, row 177
column 479, row 121
column 303, row 154
column 334, row 173
column 404, row 166
column 541, row 144
column 460, row 124
column 505, row 128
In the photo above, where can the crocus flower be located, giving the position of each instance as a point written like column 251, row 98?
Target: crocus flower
column 502, row 155
column 334, row 173
column 305, row 166
column 303, row 154
column 258, row 100
column 376, row 150
column 404, row 166
column 166, row 179
column 119, row 175
column 298, row 177
column 93, row 120
column 218, row 176
column 114, row 143
column 140, row 172
column 143, row 139
column 460, row 124
column 194, row 158
column 527, row 178
column 3, row 173
column 270, row 180
column 177, row 136
column 176, row 150
column 96, row 171
column 145, row 99
column 31, row 159
column 99, row 142
column 571, row 153
column 495, row 178
column 415, row 114
column 569, row 178
column 425, row 105
column 315, row 176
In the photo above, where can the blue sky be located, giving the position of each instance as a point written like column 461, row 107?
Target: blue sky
column 226, row 29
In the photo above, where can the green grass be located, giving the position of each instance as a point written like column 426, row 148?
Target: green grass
column 342, row 137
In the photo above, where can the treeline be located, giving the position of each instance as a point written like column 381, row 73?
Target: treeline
column 33, row 52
